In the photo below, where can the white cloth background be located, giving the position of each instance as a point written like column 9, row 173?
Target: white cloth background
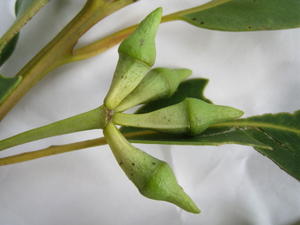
column 257, row 72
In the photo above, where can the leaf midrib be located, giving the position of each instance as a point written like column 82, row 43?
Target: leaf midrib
column 257, row 124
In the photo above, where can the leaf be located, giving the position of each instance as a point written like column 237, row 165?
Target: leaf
column 7, row 84
column 244, row 15
column 10, row 46
column 8, row 49
column 9, row 40
column 277, row 136
column 281, row 132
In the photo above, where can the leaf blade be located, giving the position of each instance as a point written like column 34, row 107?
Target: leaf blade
column 244, row 15
column 276, row 136
column 7, row 84
column 24, row 10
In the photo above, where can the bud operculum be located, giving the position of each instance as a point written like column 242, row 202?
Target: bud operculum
column 203, row 114
column 136, row 57
column 141, row 44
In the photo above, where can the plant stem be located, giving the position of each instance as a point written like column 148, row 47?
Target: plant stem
column 54, row 150
column 102, row 45
column 93, row 119
column 21, row 21
column 59, row 50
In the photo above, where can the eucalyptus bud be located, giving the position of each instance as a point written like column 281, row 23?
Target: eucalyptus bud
column 153, row 178
column 191, row 116
column 136, row 56
column 158, row 83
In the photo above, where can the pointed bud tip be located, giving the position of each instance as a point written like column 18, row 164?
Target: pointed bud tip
column 163, row 186
column 156, row 12
column 233, row 113
column 193, row 209
column 141, row 43
column 188, row 204
column 184, row 73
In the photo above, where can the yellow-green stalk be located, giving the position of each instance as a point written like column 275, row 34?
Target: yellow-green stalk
column 93, row 119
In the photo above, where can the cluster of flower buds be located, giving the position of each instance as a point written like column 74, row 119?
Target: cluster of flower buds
column 135, row 83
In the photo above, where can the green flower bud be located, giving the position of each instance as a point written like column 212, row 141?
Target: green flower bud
column 191, row 116
column 136, row 56
column 158, row 83
column 153, row 178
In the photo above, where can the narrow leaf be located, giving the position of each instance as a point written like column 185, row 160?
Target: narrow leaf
column 211, row 136
column 277, row 136
column 243, row 15
column 7, row 84
column 24, row 10
column 8, row 49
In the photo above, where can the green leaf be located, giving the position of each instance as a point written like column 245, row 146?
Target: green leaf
column 282, row 133
column 244, row 15
column 213, row 137
column 10, row 46
column 277, row 136
column 7, row 84
column 24, row 10
column 8, row 49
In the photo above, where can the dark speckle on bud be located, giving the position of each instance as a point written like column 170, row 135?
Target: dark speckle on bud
column 153, row 178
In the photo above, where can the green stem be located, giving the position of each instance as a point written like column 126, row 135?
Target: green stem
column 94, row 119
column 59, row 50
column 21, row 21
